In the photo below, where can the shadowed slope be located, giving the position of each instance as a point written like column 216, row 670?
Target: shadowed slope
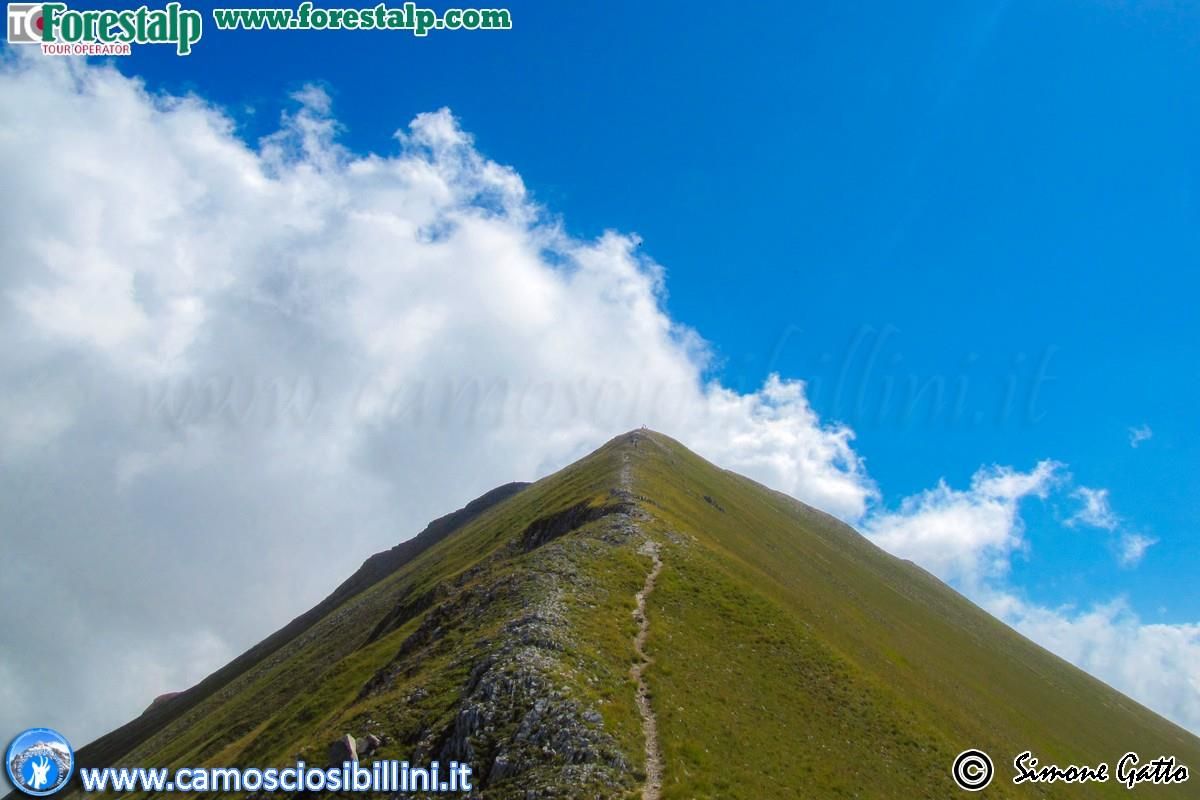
column 110, row 747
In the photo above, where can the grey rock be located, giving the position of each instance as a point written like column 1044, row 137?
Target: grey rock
column 342, row 750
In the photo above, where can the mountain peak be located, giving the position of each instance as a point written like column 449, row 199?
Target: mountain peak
column 643, row 622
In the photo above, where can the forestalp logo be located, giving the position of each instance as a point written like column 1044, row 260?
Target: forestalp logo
column 24, row 23
column 64, row 31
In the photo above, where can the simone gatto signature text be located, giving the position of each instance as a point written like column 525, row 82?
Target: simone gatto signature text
column 1130, row 770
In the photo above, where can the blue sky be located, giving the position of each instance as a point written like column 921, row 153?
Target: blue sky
column 995, row 197
column 973, row 193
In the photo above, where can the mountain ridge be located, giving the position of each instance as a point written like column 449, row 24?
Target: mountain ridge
column 782, row 654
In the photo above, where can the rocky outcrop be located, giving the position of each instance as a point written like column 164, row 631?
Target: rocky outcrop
column 343, row 750
column 552, row 526
column 348, row 748
column 367, row 745
column 517, row 719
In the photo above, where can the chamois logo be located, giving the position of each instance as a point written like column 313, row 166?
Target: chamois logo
column 39, row 761
column 41, row 770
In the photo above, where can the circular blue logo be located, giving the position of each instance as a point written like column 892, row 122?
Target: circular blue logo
column 39, row 761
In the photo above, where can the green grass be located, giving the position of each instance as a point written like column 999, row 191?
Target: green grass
column 789, row 646
column 792, row 658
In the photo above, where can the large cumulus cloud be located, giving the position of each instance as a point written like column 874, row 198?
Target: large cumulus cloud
column 232, row 371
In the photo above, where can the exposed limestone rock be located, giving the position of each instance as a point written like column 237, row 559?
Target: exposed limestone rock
column 342, row 750
column 367, row 745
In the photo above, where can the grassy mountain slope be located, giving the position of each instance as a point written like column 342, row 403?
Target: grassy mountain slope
column 790, row 645
column 108, row 748
column 790, row 657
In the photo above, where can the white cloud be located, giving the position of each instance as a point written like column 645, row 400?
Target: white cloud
column 1159, row 665
column 1096, row 511
column 1133, row 547
column 774, row 435
column 1139, row 434
column 231, row 372
column 964, row 536
column 968, row 537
